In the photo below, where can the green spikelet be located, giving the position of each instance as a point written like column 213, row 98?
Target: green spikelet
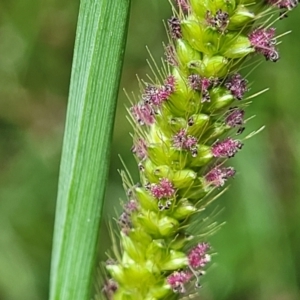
column 186, row 126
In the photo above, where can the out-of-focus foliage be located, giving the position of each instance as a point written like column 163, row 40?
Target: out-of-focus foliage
column 257, row 249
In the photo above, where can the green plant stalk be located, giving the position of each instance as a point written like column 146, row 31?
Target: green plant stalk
column 98, row 58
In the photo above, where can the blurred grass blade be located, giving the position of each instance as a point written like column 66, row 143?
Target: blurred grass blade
column 98, row 57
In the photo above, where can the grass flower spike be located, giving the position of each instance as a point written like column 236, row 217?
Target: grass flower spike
column 187, row 125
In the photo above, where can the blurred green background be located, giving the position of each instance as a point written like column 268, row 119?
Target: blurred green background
column 258, row 248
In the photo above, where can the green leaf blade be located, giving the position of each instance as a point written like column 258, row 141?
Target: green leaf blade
column 97, row 63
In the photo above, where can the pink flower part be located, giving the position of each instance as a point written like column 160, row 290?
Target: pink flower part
column 191, row 142
column 237, row 85
column 177, row 280
column 229, row 172
column 264, row 42
column 218, row 176
column 235, row 117
column 195, row 82
column 156, row 95
column 201, row 84
column 175, row 28
column 151, row 95
column 205, row 83
column 110, row 287
column 125, row 221
column 125, row 218
column 183, row 141
column 164, row 189
column 171, row 56
column 218, row 21
column 143, row 113
column 168, row 88
column 284, row 4
column 170, row 82
column 140, row 149
column 227, row 148
column 179, row 139
column 198, row 256
column 131, row 206
column 183, row 4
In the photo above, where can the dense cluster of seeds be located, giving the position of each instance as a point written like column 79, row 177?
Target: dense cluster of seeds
column 186, row 127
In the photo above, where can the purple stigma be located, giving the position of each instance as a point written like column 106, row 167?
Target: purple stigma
column 110, row 287
column 237, row 85
column 201, row 84
column 171, row 56
column 143, row 113
column 198, row 256
column 218, row 176
column 175, row 29
column 195, row 82
column 178, row 279
column 235, row 117
column 151, row 95
column 168, row 88
column 157, row 95
column 284, row 4
column 140, row 149
column 163, row 189
column 264, row 43
column 226, row 148
column 218, row 21
column 183, row 4
column 187, row 142
column 125, row 218
column 131, row 206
